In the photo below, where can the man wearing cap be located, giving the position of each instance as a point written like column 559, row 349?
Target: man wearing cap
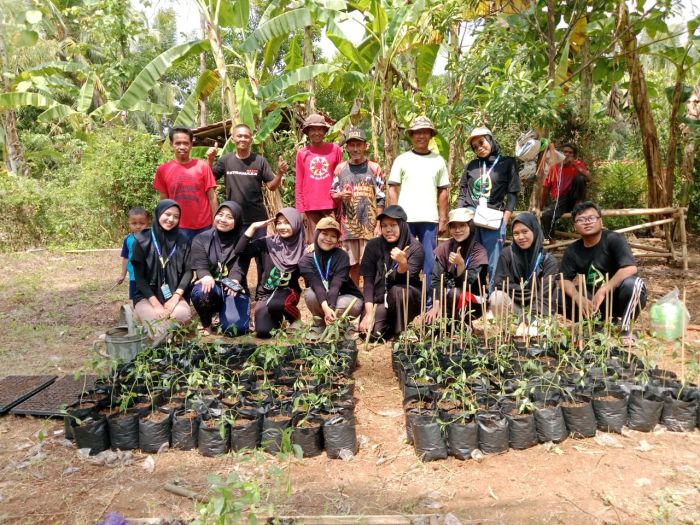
column 315, row 165
column 489, row 181
column 358, row 187
column 419, row 183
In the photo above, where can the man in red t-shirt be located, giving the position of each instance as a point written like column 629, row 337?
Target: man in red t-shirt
column 315, row 165
column 566, row 185
column 189, row 182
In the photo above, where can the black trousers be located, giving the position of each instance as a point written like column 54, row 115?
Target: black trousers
column 390, row 321
column 270, row 311
column 564, row 204
column 628, row 300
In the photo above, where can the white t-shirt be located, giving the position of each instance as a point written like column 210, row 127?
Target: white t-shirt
column 420, row 177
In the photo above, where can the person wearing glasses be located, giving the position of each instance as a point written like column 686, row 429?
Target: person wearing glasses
column 609, row 271
column 490, row 185
column 566, row 185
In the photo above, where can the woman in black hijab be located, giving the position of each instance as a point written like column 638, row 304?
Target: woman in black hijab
column 213, row 257
column 460, row 258
column 161, row 262
column 391, row 268
column 278, row 291
column 526, row 274
column 326, row 272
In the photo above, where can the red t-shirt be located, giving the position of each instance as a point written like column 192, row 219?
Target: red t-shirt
column 567, row 173
column 187, row 184
column 314, row 174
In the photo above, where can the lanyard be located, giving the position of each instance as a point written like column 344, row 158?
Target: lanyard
column 163, row 262
column 324, row 277
column 534, row 268
column 487, row 175
column 466, row 265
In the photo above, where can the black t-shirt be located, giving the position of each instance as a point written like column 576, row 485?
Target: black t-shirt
column 610, row 254
column 244, row 180
column 502, row 179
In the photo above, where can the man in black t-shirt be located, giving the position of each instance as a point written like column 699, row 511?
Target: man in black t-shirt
column 244, row 174
column 605, row 261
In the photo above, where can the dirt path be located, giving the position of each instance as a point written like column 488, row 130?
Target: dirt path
column 650, row 478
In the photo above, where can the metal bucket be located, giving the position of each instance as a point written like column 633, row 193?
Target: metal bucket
column 122, row 342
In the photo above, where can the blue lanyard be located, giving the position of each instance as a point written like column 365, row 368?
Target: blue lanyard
column 485, row 175
column 324, row 278
column 466, row 265
column 534, row 268
column 163, row 262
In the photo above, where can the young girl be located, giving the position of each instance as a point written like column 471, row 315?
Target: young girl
column 278, row 291
column 213, row 257
column 326, row 271
column 460, row 258
column 161, row 262
column 525, row 267
column 386, row 263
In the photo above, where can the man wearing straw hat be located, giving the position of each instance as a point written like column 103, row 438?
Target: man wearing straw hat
column 419, row 183
column 315, row 165
column 600, row 273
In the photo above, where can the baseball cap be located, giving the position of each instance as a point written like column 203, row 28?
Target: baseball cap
column 393, row 212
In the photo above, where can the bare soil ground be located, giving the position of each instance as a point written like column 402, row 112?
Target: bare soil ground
column 53, row 306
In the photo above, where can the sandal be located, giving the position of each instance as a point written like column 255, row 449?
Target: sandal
column 628, row 339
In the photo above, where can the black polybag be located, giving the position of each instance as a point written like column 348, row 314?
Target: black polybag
column 339, row 433
column 246, row 433
column 493, row 432
column 428, row 439
column 309, row 438
column 92, row 434
column 153, row 434
column 462, row 437
column 550, row 424
column 522, row 431
column 580, row 419
column 679, row 414
column 210, row 441
column 643, row 413
column 185, row 431
column 124, row 431
column 611, row 411
column 272, row 433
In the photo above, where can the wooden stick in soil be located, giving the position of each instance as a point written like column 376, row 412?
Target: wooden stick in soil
column 187, row 493
column 533, row 291
column 442, row 303
column 462, row 312
column 423, row 293
column 481, row 292
column 452, row 317
column 683, row 341
column 432, row 328
column 371, row 325
column 405, row 309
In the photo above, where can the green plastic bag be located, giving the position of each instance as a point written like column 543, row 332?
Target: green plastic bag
column 669, row 317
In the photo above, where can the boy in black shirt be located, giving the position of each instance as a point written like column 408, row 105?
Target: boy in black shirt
column 599, row 253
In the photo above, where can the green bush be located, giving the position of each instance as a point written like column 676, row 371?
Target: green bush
column 620, row 184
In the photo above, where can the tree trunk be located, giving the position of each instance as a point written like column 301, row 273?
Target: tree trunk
column 454, row 94
column 309, row 61
column 657, row 196
column 202, row 103
column 692, row 111
column 15, row 161
column 390, row 131
column 229, row 95
column 674, row 130
column 586, row 89
column 551, row 44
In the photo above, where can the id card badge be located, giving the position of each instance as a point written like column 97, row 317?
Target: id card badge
column 325, row 284
column 386, row 303
column 165, row 289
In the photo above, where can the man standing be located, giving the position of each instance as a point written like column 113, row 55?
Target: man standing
column 419, row 183
column 358, row 186
column 605, row 261
column 315, row 165
column 244, row 174
column 189, row 182
column 566, row 184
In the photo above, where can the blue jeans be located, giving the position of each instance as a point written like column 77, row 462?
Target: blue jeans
column 492, row 240
column 426, row 232
column 234, row 312
column 191, row 233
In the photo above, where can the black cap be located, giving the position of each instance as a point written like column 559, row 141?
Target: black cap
column 393, row 212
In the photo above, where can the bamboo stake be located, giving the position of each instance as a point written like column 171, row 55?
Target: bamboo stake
column 423, row 293
column 408, row 289
column 683, row 342
column 454, row 306
column 371, row 325
column 462, row 313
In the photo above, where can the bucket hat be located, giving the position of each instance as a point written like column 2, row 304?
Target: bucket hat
column 314, row 120
column 328, row 223
column 421, row 122
column 479, row 132
column 460, row 215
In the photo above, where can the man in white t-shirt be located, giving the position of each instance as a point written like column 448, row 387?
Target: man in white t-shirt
column 419, row 183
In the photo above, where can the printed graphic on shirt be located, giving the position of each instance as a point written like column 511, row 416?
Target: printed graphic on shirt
column 277, row 279
column 318, row 168
column 477, row 189
column 360, row 214
column 245, row 173
column 594, row 277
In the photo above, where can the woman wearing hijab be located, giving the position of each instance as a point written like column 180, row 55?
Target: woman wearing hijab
column 490, row 184
column 213, row 256
column 460, row 258
column 526, row 274
column 391, row 268
column 326, row 272
column 278, row 291
column 161, row 262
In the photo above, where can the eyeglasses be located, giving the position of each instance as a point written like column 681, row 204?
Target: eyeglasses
column 587, row 219
column 478, row 143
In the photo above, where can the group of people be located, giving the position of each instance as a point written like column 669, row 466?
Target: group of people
column 361, row 242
